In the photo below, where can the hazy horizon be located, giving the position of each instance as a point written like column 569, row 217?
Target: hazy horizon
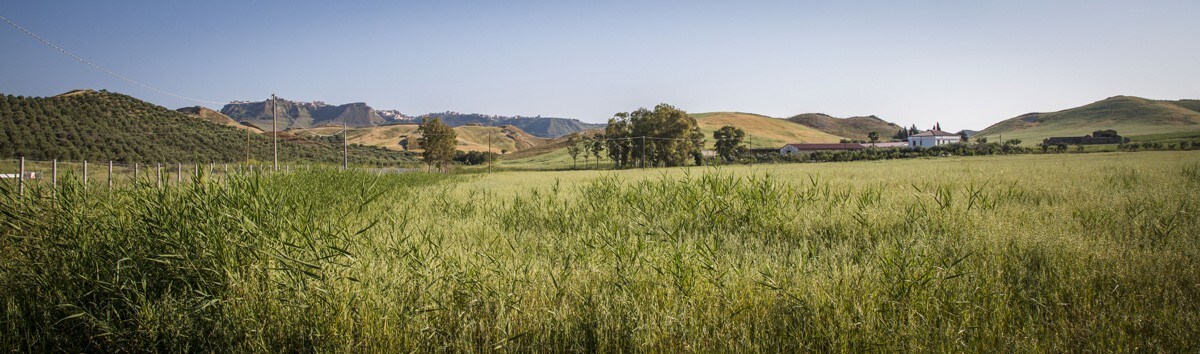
column 965, row 65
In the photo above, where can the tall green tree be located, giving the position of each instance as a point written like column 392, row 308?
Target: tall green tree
column 729, row 142
column 618, row 136
column 574, row 148
column 665, row 136
column 596, row 147
column 438, row 140
column 874, row 136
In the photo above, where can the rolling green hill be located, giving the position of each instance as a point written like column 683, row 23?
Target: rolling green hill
column 766, row 132
column 1129, row 116
column 102, row 126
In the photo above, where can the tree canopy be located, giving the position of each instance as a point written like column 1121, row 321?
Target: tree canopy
column 729, row 142
column 665, row 136
column 438, row 140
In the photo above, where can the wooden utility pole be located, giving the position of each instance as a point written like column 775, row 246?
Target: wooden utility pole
column 247, row 145
column 275, row 132
column 345, row 148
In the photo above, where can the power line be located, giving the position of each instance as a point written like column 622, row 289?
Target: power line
column 98, row 67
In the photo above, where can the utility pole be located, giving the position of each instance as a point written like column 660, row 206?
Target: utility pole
column 489, row 152
column 643, row 152
column 275, row 131
column 345, row 148
column 247, row 145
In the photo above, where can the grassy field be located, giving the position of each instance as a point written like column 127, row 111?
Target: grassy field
column 1059, row 253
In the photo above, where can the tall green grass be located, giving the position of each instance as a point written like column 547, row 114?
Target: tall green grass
column 683, row 260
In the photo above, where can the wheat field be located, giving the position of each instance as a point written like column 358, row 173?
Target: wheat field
column 1062, row 253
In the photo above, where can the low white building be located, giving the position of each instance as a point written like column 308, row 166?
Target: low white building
column 931, row 138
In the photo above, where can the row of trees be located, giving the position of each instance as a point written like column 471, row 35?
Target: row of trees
column 589, row 147
column 664, row 136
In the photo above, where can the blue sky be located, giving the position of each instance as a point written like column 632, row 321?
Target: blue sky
column 966, row 64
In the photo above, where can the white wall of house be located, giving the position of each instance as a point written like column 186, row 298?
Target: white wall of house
column 931, row 141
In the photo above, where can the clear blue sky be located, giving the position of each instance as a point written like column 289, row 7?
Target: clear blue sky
column 966, row 64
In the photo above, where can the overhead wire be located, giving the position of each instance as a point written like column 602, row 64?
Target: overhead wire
column 98, row 67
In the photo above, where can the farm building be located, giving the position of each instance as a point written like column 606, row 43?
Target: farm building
column 799, row 148
column 890, row 144
column 1097, row 137
column 931, row 138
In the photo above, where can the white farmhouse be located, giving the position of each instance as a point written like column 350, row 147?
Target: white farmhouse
column 931, row 138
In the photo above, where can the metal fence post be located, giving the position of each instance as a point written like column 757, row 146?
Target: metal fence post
column 85, row 181
column 135, row 173
column 158, row 181
column 54, row 175
column 178, row 173
column 21, row 177
column 110, row 175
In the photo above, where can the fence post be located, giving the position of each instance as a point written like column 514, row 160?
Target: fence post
column 110, row 175
column 85, row 181
column 135, row 171
column 197, row 174
column 210, row 171
column 54, row 175
column 158, row 181
column 21, row 177
column 178, row 173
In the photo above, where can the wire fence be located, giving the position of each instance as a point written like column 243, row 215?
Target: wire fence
column 27, row 173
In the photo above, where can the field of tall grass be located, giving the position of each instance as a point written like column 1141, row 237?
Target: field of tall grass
column 1065, row 252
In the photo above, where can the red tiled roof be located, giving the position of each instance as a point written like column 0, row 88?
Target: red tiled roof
column 935, row 133
column 827, row 146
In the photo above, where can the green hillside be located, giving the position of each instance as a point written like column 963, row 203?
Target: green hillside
column 1129, row 116
column 103, row 126
column 766, row 132
column 853, row 127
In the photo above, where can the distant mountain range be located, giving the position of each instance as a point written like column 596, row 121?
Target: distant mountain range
column 546, row 127
column 1128, row 115
column 294, row 114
